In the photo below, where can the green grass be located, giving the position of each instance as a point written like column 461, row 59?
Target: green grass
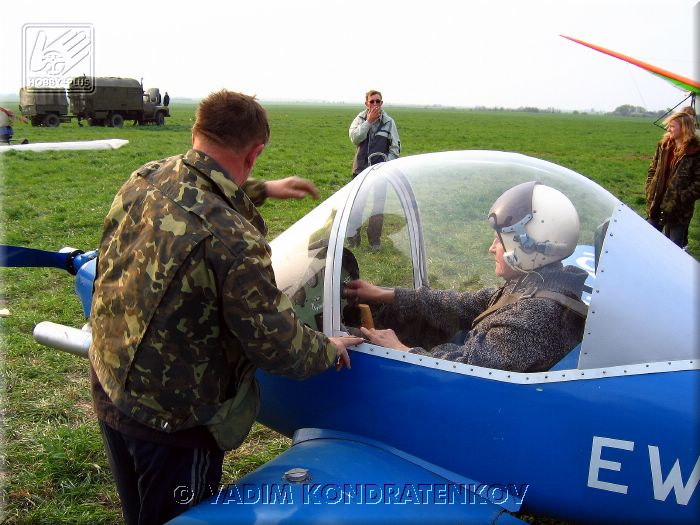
column 54, row 469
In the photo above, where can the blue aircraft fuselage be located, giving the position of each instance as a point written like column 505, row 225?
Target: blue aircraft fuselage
column 618, row 449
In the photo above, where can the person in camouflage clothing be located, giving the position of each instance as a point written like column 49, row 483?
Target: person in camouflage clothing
column 673, row 178
column 185, row 308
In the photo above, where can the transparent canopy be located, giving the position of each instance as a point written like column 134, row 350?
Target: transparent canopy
column 417, row 221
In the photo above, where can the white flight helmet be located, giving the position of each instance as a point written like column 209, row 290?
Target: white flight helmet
column 536, row 224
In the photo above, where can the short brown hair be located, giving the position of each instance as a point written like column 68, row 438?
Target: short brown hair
column 232, row 119
column 372, row 92
column 688, row 110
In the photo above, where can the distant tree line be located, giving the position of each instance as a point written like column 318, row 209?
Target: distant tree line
column 628, row 110
column 525, row 109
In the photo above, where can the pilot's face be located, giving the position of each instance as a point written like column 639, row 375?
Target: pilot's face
column 502, row 268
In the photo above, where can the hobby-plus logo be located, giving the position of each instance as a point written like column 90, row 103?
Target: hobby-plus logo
column 53, row 54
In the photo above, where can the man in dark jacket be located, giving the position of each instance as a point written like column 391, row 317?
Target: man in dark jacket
column 375, row 134
column 526, row 325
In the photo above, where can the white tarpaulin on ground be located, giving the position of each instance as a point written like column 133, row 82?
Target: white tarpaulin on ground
column 62, row 146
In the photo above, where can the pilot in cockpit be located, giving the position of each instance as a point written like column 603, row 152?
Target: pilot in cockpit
column 528, row 324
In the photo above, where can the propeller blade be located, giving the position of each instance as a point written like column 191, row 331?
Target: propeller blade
column 17, row 256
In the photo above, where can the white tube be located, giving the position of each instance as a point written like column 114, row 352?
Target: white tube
column 66, row 338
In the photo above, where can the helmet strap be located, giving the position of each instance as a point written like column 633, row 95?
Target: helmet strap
column 521, row 236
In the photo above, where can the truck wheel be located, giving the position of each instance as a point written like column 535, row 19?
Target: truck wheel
column 160, row 119
column 116, row 120
column 51, row 121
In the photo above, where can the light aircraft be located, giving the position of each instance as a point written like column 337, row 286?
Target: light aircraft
column 690, row 86
column 609, row 434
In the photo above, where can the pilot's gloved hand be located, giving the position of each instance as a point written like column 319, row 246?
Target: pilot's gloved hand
column 360, row 291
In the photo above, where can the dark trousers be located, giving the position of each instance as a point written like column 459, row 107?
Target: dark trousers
column 376, row 218
column 6, row 133
column 157, row 482
column 678, row 233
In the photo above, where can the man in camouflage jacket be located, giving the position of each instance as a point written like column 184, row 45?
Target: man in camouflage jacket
column 185, row 308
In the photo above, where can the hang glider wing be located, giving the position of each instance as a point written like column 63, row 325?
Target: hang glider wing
column 686, row 84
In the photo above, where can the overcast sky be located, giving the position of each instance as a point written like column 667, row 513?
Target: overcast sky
column 465, row 53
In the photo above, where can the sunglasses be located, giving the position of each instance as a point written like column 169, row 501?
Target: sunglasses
column 375, row 101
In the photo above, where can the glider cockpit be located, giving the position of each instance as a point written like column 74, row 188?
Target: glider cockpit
column 431, row 213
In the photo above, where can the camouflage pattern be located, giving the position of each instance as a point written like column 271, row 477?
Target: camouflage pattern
column 671, row 191
column 255, row 191
column 186, row 305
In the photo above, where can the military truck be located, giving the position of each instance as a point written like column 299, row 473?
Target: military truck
column 101, row 101
column 44, row 106
column 112, row 100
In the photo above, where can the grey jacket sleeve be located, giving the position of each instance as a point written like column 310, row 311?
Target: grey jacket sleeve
column 523, row 337
column 359, row 128
column 446, row 310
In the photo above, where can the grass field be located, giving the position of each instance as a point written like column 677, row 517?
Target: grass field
column 54, row 468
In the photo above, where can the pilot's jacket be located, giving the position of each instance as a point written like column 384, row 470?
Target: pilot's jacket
column 528, row 335
column 186, row 306
column 376, row 141
column 673, row 184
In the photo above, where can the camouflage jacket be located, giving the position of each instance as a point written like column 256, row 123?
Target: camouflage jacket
column 185, row 305
column 673, row 187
